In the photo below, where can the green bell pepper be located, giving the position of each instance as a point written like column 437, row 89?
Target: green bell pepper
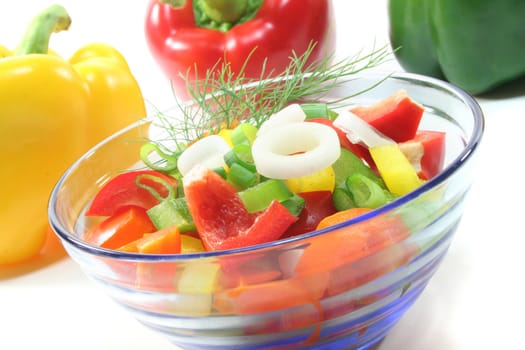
column 477, row 45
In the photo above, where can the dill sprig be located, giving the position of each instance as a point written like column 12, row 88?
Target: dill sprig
column 221, row 99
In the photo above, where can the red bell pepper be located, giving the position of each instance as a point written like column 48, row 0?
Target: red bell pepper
column 318, row 205
column 426, row 152
column 122, row 190
column 221, row 218
column 396, row 116
column 182, row 47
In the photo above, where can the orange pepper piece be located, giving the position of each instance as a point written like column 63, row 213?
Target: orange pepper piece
column 125, row 226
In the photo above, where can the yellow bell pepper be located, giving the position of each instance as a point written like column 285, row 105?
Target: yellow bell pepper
column 190, row 245
column 51, row 111
column 197, row 283
column 398, row 174
column 322, row 180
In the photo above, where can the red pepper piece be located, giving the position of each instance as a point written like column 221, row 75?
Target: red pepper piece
column 124, row 226
column 396, row 116
column 318, row 205
column 221, row 218
column 278, row 28
column 426, row 152
column 122, row 191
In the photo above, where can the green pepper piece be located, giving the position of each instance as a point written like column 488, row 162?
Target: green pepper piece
column 260, row 196
column 172, row 212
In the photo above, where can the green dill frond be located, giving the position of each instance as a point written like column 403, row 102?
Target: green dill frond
column 222, row 98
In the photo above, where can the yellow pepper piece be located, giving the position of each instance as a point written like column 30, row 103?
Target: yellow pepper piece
column 198, row 282
column 190, row 244
column 322, row 180
column 52, row 111
column 398, row 174
column 226, row 135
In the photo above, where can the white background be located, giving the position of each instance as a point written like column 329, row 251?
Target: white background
column 475, row 300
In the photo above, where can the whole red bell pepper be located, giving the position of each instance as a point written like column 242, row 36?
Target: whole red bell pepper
column 186, row 45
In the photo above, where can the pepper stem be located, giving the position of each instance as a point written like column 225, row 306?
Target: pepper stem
column 224, row 10
column 174, row 3
column 36, row 38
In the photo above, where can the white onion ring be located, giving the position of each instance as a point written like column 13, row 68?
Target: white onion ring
column 208, row 152
column 295, row 149
column 290, row 114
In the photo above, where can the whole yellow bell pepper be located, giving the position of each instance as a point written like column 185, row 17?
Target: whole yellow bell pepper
column 51, row 111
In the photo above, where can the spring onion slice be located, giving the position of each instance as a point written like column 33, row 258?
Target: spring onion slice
column 348, row 164
column 342, row 199
column 295, row 150
column 241, row 177
column 366, row 193
column 166, row 163
column 243, row 133
column 359, row 131
column 290, row 114
column 241, row 154
column 317, row 110
column 171, row 191
column 208, row 152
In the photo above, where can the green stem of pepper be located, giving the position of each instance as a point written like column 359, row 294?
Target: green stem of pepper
column 36, row 38
column 174, row 3
column 224, row 10
column 224, row 14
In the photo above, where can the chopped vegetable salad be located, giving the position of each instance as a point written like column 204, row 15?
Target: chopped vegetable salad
column 305, row 168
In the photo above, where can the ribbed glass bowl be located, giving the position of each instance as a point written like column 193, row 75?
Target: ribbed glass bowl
column 258, row 297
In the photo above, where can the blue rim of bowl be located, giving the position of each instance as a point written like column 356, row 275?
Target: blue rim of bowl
column 470, row 147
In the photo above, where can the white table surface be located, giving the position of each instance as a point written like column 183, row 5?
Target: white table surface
column 475, row 300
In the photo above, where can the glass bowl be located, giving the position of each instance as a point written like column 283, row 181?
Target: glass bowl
column 309, row 291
